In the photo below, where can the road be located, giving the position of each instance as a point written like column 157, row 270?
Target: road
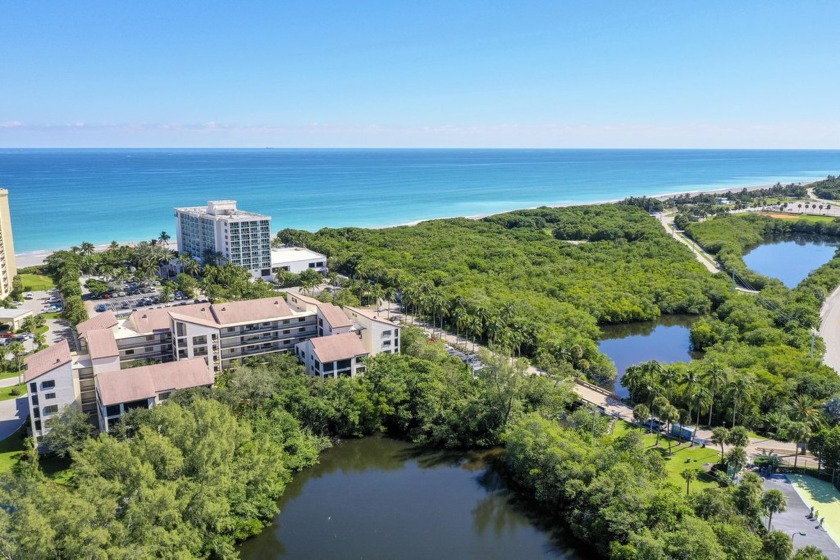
column 13, row 413
column 611, row 405
column 667, row 221
column 830, row 330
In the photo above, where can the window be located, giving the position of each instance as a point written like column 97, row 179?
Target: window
column 36, row 413
column 165, row 395
column 149, row 349
column 301, row 329
column 150, row 337
column 199, row 339
column 286, row 332
column 112, row 410
column 129, row 352
column 47, row 385
column 37, row 424
column 301, row 319
column 286, row 321
column 311, row 265
column 34, row 400
column 49, row 396
column 33, row 387
column 52, row 409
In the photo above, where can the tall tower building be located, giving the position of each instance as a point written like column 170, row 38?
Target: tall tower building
column 242, row 238
column 8, row 265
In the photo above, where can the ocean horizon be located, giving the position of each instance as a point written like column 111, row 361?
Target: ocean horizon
column 62, row 197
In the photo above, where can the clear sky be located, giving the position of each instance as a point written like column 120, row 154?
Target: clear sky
column 367, row 73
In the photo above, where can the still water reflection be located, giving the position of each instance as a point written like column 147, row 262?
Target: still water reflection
column 790, row 259
column 381, row 498
column 666, row 340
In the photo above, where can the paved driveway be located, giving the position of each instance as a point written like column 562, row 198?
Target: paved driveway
column 795, row 520
column 13, row 413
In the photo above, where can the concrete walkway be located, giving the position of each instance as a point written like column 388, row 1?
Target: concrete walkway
column 9, row 382
column 795, row 520
column 830, row 330
column 13, row 413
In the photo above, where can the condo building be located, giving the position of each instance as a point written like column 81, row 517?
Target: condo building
column 8, row 266
column 240, row 237
column 140, row 360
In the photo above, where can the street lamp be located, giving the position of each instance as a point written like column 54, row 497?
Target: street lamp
column 792, row 535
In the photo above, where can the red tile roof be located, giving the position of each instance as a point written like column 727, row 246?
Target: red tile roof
column 249, row 311
column 105, row 320
column 150, row 320
column 338, row 347
column 335, row 316
column 102, row 344
column 46, row 360
column 145, row 382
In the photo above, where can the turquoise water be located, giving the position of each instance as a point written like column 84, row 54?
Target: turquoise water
column 63, row 197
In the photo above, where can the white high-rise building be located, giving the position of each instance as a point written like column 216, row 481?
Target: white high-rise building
column 8, row 268
column 242, row 238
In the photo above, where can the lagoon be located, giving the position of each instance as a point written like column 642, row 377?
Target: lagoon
column 667, row 340
column 381, row 498
column 791, row 258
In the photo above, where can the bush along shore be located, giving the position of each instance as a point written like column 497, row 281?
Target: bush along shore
column 191, row 477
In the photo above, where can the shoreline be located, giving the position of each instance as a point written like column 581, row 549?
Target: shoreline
column 36, row 258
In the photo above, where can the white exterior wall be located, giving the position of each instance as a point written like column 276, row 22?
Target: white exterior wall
column 186, row 347
column 306, row 355
column 377, row 336
column 66, row 391
column 101, row 365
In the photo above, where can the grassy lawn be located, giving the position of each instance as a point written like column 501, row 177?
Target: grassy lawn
column 36, row 283
column 684, row 456
column 11, row 448
column 7, row 393
column 805, row 217
column 51, row 315
column 43, row 329
column 57, row 469
column 8, row 374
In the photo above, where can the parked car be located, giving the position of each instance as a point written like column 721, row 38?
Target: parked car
column 101, row 307
column 6, row 335
column 28, row 295
column 654, row 424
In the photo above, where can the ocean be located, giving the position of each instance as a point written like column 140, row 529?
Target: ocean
column 63, row 197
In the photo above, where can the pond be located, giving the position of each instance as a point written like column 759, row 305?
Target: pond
column 790, row 259
column 381, row 498
column 666, row 340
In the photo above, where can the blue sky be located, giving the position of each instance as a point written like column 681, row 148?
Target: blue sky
column 669, row 74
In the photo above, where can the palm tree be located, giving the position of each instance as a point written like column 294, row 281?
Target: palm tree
column 701, row 398
column 689, row 475
column 779, row 545
column 806, row 409
column 388, row 294
column 669, row 414
column 776, row 421
column 164, row 238
column 475, row 327
column 460, row 316
column 189, row 265
column 736, row 458
column 86, row 249
column 17, row 350
column 642, row 379
column 660, row 403
column 669, row 378
column 714, row 378
column 641, row 413
column 720, row 435
column 738, row 389
column 40, row 340
column 799, row 432
column 773, row 501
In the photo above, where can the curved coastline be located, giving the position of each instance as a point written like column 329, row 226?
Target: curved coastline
column 36, row 258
